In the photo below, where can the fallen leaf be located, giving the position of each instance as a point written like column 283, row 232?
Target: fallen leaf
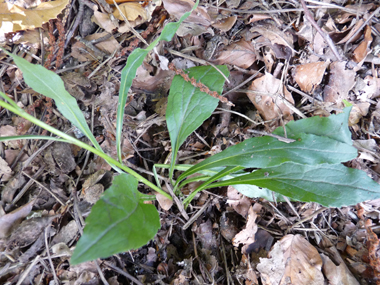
column 309, row 75
column 108, row 46
column 241, row 53
column 164, row 202
column 177, row 8
column 292, row 260
column 247, row 236
column 131, row 10
column 238, row 201
column 14, row 18
column 363, row 48
column 270, row 106
column 226, row 24
column 5, row 171
column 104, row 21
column 337, row 274
column 341, row 81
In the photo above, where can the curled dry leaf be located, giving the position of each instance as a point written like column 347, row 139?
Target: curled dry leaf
column 14, row 18
column 247, row 236
column 104, row 21
column 238, row 201
column 363, row 49
column 309, row 75
column 367, row 88
column 292, row 260
column 341, row 81
column 266, row 98
column 226, row 24
column 241, row 53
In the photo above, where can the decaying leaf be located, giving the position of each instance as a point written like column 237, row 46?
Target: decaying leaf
column 5, row 170
column 238, row 201
column 309, row 75
column 266, row 98
column 247, row 236
column 226, row 24
column 363, row 49
column 241, row 53
column 14, row 18
column 341, row 81
column 293, row 260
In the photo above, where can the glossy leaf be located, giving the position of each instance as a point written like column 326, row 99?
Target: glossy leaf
column 334, row 127
column 118, row 222
column 331, row 185
column 188, row 107
column 135, row 59
column 267, row 151
column 51, row 85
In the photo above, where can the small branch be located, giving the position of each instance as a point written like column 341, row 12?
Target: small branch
column 325, row 36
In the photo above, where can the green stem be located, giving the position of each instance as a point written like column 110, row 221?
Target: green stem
column 81, row 144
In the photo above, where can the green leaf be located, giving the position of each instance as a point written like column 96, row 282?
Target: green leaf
column 331, row 185
column 334, row 127
column 135, row 59
column 188, row 107
column 51, row 85
column 267, row 151
column 118, row 222
column 253, row 191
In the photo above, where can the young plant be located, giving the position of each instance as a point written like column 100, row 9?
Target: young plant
column 307, row 169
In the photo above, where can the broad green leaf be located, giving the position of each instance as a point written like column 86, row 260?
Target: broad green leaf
column 188, row 107
column 51, row 85
column 135, row 59
column 118, row 222
column 331, row 185
column 334, row 127
column 267, row 151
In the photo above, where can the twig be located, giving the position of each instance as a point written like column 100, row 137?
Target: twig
column 196, row 215
column 325, row 36
column 47, row 229
column 122, row 272
column 361, row 27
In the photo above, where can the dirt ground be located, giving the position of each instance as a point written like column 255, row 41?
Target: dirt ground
column 321, row 54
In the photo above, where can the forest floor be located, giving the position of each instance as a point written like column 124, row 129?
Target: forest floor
column 323, row 55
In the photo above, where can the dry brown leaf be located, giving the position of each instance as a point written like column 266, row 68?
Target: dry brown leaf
column 270, row 106
column 247, row 236
column 276, row 37
column 363, row 49
column 104, row 21
column 177, row 8
column 5, row 170
column 341, row 81
column 337, row 274
column 346, row 16
column 241, row 53
column 131, row 10
column 309, row 75
column 108, row 46
column 292, row 260
column 159, row 82
column 358, row 111
column 164, row 202
column 258, row 17
column 351, row 33
column 14, row 18
column 226, row 24
column 238, row 201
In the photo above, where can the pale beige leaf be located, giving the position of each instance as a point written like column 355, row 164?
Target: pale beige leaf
column 247, row 236
column 131, row 10
column 5, row 170
column 270, row 106
column 164, row 201
column 14, row 18
column 177, row 8
column 309, row 75
column 292, row 260
column 337, row 274
column 341, row 81
column 241, row 53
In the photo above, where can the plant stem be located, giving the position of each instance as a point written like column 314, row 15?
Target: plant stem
column 81, row 144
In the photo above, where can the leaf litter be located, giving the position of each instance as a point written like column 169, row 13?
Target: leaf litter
column 292, row 73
